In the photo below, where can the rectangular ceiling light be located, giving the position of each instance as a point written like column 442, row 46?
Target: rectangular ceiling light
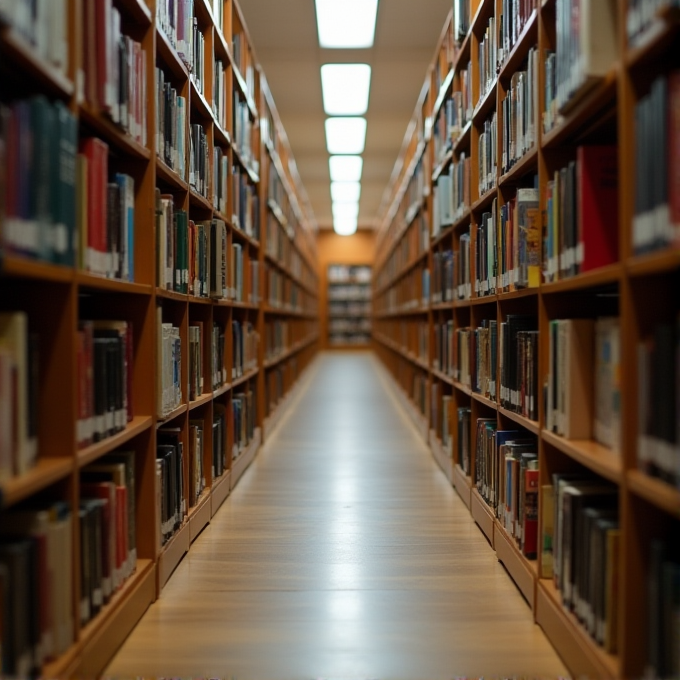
column 345, row 192
column 345, row 89
column 345, row 135
column 345, row 226
column 345, row 168
column 346, row 24
column 345, row 210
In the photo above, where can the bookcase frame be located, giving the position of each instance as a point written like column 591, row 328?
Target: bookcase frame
column 647, row 292
column 54, row 295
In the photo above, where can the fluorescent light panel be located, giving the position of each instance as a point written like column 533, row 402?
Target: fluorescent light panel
column 345, row 210
column 344, row 192
column 345, row 135
column 345, row 88
column 345, row 226
column 345, row 168
column 346, row 24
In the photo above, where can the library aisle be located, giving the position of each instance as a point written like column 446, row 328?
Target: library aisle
column 343, row 552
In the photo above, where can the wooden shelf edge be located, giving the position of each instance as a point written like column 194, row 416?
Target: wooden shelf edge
column 531, row 425
column 482, row 514
column 577, row 649
column 520, row 568
column 463, row 485
column 484, row 400
column 598, row 277
column 93, row 281
column 47, row 471
column 172, row 553
column 164, row 420
column 113, row 134
column 244, row 378
column 658, row 262
column 594, row 456
column 199, row 515
column 136, row 426
column 166, row 174
column 244, row 459
column 654, row 491
column 484, row 200
column 522, row 44
column 520, row 168
column 219, row 491
column 440, row 454
column 21, row 267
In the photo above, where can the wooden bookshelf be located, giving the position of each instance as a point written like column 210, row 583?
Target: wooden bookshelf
column 57, row 296
column 411, row 331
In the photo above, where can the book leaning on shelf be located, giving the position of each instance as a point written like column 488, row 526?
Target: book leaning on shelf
column 19, row 390
column 169, row 368
column 38, row 146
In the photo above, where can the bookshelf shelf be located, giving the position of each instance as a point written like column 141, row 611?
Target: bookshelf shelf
column 219, row 491
column 462, row 484
column 484, row 400
column 162, row 293
column 112, row 134
column 443, row 377
column 661, row 35
column 522, row 569
column 484, row 201
column 284, row 356
column 222, row 137
column 241, row 235
column 198, row 201
column 16, row 50
column 221, row 390
column 180, row 410
column 201, row 401
column 525, row 165
column 463, row 388
column 569, row 638
column 463, row 141
column 654, row 263
column 527, row 39
column 442, row 165
column 168, row 54
column 169, row 176
column 196, row 300
column 19, row 267
column 594, row 456
column 482, row 514
column 516, row 294
column 599, row 277
column 199, row 102
column 244, row 378
column 526, row 423
column 138, row 10
column 47, row 471
column 441, row 96
column 569, row 127
column 655, row 491
column 94, row 282
column 485, row 105
column 135, row 427
column 199, row 515
column 172, row 553
column 254, row 178
column 442, row 236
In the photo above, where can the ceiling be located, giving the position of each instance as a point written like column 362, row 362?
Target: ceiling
column 286, row 44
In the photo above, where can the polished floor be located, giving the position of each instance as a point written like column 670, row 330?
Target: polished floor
column 342, row 553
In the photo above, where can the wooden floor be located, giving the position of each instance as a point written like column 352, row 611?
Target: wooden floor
column 342, row 553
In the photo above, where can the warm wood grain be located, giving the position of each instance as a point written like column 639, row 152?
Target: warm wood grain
column 343, row 551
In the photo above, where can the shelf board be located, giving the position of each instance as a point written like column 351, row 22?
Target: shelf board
column 172, row 553
column 21, row 267
column 102, row 636
column 413, row 311
column 198, row 300
column 199, row 515
column 526, row 423
column 482, row 514
column 64, row 666
column 138, row 10
column 244, row 378
column 484, row 400
column 462, row 484
column 463, row 141
column 442, row 165
column 586, row 657
column 166, row 174
column 483, row 300
column 222, row 136
column 598, row 277
column 527, row 38
column 219, row 491
column 585, row 109
column 23, row 54
column 522, row 569
column 654, row 491
column 169, row 55
column 441, row 236
column 251, row 240
column 528, row 162
column 46, row 471
column 240, row 464
column 460, row 304
column 240, row 81
column 270, row 363
column 418, row 259
column 442, row 376
column 661, row 34
column 112, row 133
column 659, row 262
column 221, row 390
column 199, row 103
column 462, row 388
column 171, row 416
column 486, row 104
column 441, row 455
column 441, row 96
column 91, row 453
column 201, row 401
column 96, row 282
column 237, row 304
column 198, row 201
column 171, row 295
column 514, row 294
column 252, row 175
column 594, row 456
column 222, row 47
column 441, row 306
column 484, row 200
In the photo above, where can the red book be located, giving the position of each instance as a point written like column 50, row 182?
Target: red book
column 530, row 515
column 674, row 154
column 598, row 206
column 97, row 153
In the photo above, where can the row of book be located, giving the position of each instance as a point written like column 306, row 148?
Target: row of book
column 584, row 393
column 105, row 365
column 453, row 116
column 514, row 16
column 415, row 242
column 642, row 17
column 171, row 125
column 658, row 445
column 243, row 62
column 656, row 223
column 114, row 69
column 349, row 308
column 464, row 442
column 246, row 203
column 243, row 132
column 474, row 352
column 451, row 195
column 349, row 326
column 19, row 390
column 506, row 477
column 444, row 347
column 284, row 293
column 488, row 59
column 416, row 188
column 38, row 148
column 487, row 153
column 171, row 502
column 197, row 58
column 220, row 176
column 345, row 273
column 169, row 369
column 581, row 543
column 246, row 342
column 277, row 338
column 486, row 252
column 442, row 276
column 42, row 25
column 197, row 446
column 220, row 93
column 199, row 161
column 279, row 202
column 441, row 407
column 519, row 113
column 176, row 19
column 354, row 292
column 244, row 406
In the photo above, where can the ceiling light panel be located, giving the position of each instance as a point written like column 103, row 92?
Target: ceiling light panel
column 346, row 24
column 345, row 226
column 345, row 135
column 345, row 192
column 345, row 210
column 345, row 88
column 345, row 168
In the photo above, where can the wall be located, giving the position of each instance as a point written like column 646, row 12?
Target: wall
column 356, row 249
